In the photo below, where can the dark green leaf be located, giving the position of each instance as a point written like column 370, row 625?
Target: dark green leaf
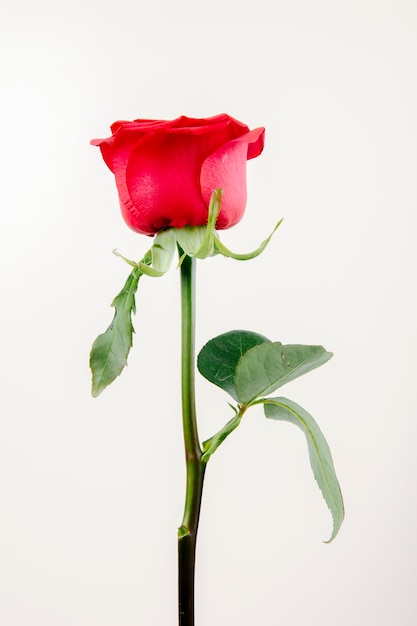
column 319, row 452
column 218, row 359
column 109, row 351
column 265, row 367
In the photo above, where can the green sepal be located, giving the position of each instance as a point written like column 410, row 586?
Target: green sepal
column 158, row 258
column 198, row 241
column 218, row 359
column 163, row 250
column 220, row 248
column 125, row 259
column 319, row 452
column 190, row 238
column 203, row 241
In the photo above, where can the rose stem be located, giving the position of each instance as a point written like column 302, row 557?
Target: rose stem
column 195, row 467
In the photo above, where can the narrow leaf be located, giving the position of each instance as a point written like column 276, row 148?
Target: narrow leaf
column 268, row 366
column 319, row 452
column 109, row 352
column 218, row 358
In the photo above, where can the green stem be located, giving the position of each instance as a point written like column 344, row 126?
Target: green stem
column 195, row 467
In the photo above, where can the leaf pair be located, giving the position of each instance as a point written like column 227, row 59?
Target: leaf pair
column 248, row 366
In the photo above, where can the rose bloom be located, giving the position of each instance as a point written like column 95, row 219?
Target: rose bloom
column 166, row 171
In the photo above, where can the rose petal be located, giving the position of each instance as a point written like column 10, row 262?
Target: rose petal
column 166, row 171
column 160, row 187
column 159, row 177
column 226, row 169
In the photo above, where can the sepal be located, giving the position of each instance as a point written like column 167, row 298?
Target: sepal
column 158, row 258
column 204, row 241
column 198, row 241
column 220, row 248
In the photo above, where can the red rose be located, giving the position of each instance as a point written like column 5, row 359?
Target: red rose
column 166, row 171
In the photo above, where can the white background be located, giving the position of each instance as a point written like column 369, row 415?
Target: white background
column 91, row 491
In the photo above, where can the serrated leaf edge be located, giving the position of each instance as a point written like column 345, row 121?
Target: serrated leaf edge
column 339, row 507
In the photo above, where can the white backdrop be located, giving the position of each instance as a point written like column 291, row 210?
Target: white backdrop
column 91, row 491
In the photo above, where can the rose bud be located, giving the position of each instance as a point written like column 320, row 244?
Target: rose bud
column 166, row 171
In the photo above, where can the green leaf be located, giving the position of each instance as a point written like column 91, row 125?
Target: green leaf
column 319, row 452
column 221, row 248
column 109, row 351
column 218, row 358
column 264, row 368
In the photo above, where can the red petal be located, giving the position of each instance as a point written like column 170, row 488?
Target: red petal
column 226, row 169
column 159, row 185
column 166, row 171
